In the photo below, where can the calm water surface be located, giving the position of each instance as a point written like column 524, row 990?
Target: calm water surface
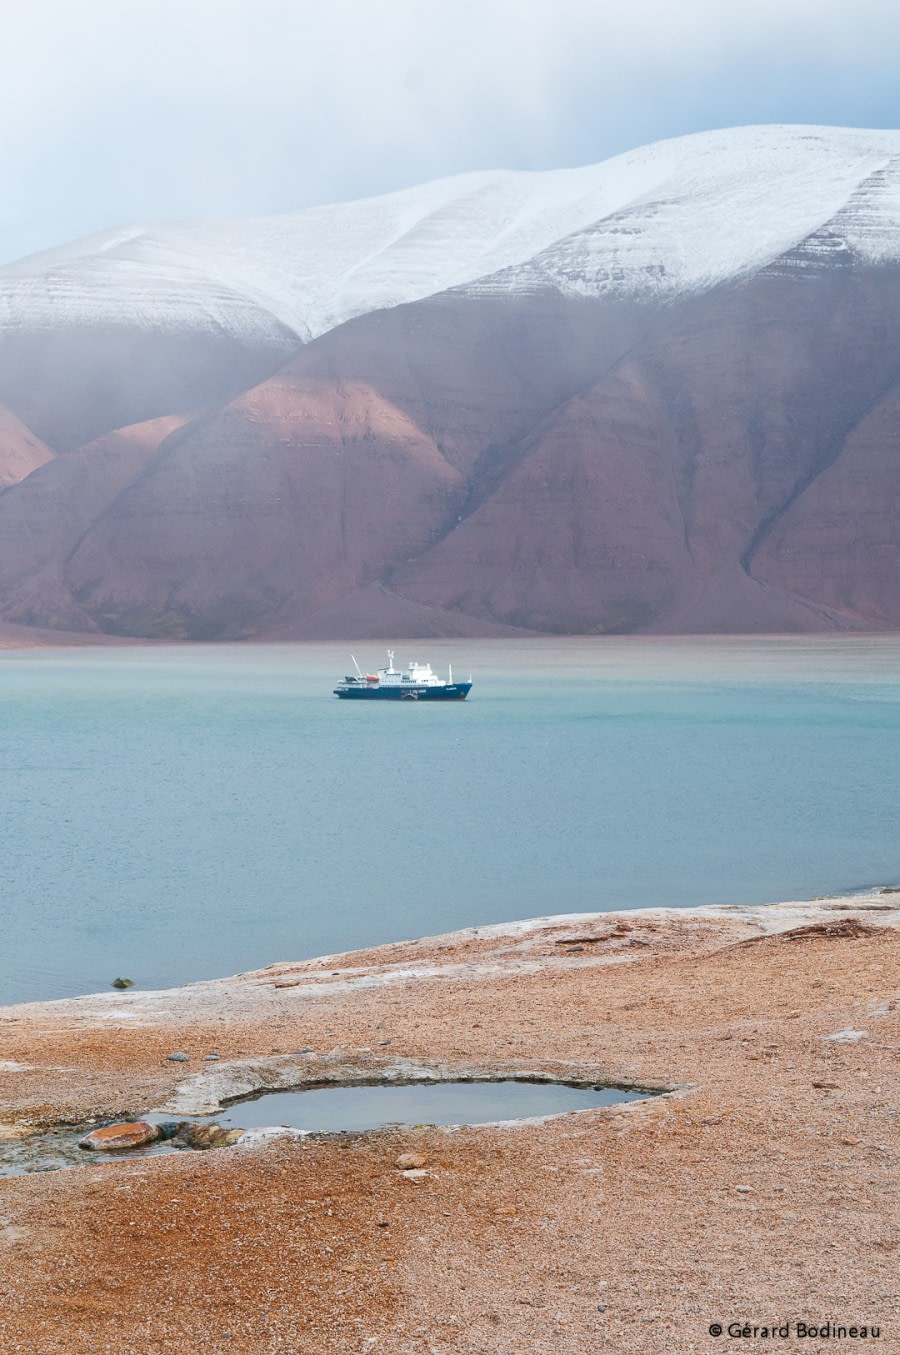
column 333, row 1109
column 176, row 814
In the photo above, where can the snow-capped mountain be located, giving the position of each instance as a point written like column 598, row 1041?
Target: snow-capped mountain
column 675, row 216
column 594, row 398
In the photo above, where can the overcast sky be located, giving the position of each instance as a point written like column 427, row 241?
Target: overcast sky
column 116, row 111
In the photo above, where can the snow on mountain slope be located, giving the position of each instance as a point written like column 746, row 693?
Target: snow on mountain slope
column 671, row 218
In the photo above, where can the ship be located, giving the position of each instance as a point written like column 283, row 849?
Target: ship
column 415, row 683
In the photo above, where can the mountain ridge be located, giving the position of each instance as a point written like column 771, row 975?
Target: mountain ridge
column 632, row 428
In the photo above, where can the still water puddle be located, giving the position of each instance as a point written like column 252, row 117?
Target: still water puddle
column 330, row 1110
column 354, row 1109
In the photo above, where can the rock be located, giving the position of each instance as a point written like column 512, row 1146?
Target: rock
column 115, row 1136
column 210, row 1136
column 410, row 1161
column 850, row 1140
column 178, row 1057
column 123, row 983
column 415, row 1174
column 208, row 1058
column 825, row 1086
column 744, row 1190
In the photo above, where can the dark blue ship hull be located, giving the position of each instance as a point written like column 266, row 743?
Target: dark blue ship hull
column 457, row 691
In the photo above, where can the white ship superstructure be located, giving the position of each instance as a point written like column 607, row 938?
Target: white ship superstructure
column 417, row 681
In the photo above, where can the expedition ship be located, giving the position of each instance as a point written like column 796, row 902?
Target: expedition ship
column 417, row 683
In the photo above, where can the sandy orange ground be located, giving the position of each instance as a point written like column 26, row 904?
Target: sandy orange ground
column 605, row 1231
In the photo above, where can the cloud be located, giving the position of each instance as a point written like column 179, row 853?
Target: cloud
column 119, row 111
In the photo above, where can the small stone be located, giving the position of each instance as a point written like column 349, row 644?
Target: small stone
column 114, row 1136
column 744, row 1190
column 850, row 1140
column 177, row 1057
column 825, row 1086
column 123, row 983
column 208, row 1058
column 409, row 1161
column 505, row 1211
column 415, row 1174
column 383, row 1223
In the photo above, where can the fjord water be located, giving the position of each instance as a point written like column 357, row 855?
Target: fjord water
column 172, row 814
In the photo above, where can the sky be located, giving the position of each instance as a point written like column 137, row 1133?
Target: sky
column 120, row 111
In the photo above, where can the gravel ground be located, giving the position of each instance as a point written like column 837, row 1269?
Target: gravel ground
column 762, row 1190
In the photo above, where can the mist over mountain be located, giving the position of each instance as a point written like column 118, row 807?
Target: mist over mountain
column 658, row 394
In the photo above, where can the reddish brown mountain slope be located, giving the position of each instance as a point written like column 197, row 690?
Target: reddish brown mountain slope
column 42, row 523
column 302, row 495
column 467, row 463
column 296, row 494
column 838, row 543
column 20, row 451
column 643, row 502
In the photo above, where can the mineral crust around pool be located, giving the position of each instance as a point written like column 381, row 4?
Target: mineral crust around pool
column 115, row 1136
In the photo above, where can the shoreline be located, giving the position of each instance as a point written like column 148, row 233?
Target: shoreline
column 166, row 1004
column 14, row 636
column 764, row 1185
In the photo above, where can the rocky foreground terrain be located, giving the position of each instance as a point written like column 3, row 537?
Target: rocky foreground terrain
column 762, row 1188
column 658, row 394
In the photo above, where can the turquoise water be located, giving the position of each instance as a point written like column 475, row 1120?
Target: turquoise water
column 176, row 814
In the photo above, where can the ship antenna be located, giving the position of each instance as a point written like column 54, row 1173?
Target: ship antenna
column 356, row 666
column 450, row 674
column 390, row 661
